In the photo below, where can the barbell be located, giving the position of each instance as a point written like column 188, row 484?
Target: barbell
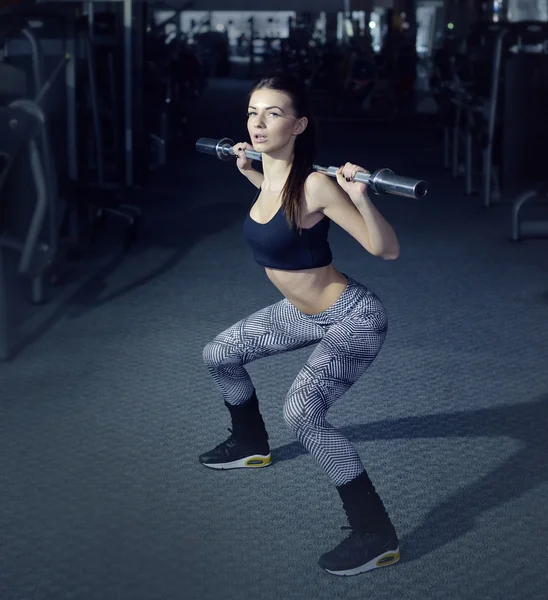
column 382, row 181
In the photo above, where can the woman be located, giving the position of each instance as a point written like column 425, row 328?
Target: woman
column 287, row 229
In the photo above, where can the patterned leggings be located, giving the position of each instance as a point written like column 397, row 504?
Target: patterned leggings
column 350, row 334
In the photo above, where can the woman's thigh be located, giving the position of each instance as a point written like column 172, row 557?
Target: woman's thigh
column 272, row 330
column 343, row 355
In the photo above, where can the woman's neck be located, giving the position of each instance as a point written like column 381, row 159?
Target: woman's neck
column 276, row 171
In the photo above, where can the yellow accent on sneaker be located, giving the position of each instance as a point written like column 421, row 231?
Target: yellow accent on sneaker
column 258, row 461
column 388, row 559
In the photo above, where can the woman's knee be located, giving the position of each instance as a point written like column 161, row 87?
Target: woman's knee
column 209, row 353
column 215, row 354
column 220, row 352
column 301, row 412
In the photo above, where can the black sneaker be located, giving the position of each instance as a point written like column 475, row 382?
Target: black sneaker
column 361, row 552
column 232, row 454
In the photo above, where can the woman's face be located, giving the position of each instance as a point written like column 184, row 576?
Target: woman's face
column 271, row 121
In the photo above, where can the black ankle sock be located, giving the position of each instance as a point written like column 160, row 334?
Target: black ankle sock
column 364, row 507
column 247, row 423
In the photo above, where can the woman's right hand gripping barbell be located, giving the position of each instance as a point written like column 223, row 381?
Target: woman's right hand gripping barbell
column 243, row 163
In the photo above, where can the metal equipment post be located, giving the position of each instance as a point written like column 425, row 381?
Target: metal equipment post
column 70, row 87
column 5, row 341
column 91, row 18
column 493, row 107
column 128, row 101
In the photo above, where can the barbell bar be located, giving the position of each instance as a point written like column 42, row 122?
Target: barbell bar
column 382, row 181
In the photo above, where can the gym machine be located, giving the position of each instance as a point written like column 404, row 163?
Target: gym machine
column 474, row 94
column 481, row 92
column 23, row 127
column 129, row 11
column 90, row 195
column 524, row 140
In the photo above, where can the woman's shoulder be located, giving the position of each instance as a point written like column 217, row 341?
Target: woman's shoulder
column 315, row 187
column 315, row 177
column 317, row 182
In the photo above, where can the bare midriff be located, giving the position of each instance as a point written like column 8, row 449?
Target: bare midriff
column 312, row 290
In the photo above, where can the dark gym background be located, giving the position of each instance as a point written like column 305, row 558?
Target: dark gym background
column 104, row 400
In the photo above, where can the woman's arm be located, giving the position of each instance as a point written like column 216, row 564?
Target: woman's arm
column 355, row 213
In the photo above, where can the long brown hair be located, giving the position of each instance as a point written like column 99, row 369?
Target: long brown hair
column 305, row 144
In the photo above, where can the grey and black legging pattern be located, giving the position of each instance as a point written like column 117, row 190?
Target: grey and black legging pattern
column 349, row 335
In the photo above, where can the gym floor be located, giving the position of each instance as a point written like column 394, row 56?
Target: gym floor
column 105, row 413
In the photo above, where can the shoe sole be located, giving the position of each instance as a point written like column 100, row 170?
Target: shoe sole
column 383, row 560
column 250, row 462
